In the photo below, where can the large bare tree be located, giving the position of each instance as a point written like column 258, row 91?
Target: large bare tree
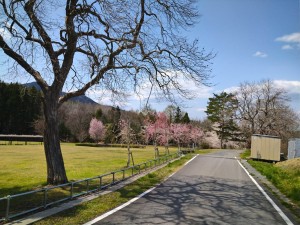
column 117, row 45
column 264, row 109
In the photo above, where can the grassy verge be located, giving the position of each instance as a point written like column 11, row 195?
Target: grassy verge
column 283, row 175
column 245, row 154
column 87, row 211
column 286, row 180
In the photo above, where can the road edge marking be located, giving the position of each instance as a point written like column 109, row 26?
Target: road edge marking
column 97, row 219
column 280, row 212
column 190, row 160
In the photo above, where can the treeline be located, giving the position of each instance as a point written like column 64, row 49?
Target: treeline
column 22, row 113
column 75, row 118
column 19, row 108
column 255, row 108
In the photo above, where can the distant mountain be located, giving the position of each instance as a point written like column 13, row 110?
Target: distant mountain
column 81, row 98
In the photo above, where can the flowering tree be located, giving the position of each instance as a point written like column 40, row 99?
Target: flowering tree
column 195, row 134
column 211, row 140
column 163, row 130
column 97, row 130
column 151, row 133
column 158, row 131
column 180, row 133
column 127, row 136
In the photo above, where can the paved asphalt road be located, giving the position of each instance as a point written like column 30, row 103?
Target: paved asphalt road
column 211, row 189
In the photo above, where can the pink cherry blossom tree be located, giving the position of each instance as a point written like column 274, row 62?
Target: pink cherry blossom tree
column 180, row 133
column 158, row 131
column 196, row 134
column 96, row 130
column 163, row 130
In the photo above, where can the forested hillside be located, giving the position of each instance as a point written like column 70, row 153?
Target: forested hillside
column 20, row 107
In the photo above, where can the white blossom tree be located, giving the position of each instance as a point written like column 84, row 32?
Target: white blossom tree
column 96, row 130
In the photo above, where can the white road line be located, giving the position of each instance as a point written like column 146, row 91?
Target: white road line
column 118, row 208
column 97, row 219
column 284, row 217
column 170, row 175
column 191, row 159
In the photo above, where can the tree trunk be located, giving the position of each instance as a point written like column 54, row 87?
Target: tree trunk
column 56, row 173
column 221, row 142
column 128, row 159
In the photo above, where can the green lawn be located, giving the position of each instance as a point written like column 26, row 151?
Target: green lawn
column 23, row 167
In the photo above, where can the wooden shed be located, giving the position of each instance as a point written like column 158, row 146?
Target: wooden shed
column 265, row 147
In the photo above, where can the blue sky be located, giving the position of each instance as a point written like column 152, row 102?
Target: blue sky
column 253, row 40
column 237, row 30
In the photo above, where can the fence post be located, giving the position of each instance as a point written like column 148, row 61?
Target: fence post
column 100, row 183
column 7, row 208
column 87, row 186
column 45, row 197
column 113, row 181
column 72, row 189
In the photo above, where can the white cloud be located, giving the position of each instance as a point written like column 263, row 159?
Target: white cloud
column 260, row 54
column 290, row 38
column 134, row 100
column 289, row 86
column 231, row 89
column 287, row 47
column 293, row 41
column 193, row 90
column 201, row 109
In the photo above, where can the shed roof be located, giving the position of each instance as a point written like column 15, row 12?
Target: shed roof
column 267, row 136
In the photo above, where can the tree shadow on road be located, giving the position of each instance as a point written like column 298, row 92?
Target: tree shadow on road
column 204, row 201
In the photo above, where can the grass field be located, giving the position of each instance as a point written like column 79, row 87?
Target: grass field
column 23, row 167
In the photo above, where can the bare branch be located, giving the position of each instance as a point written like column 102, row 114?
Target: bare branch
column 19, row 59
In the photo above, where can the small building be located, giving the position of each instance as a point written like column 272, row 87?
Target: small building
column 294, row 148
column 265, row 147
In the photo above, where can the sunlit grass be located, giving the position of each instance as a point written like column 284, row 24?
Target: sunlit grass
column 245, row 154
column 23, row 167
